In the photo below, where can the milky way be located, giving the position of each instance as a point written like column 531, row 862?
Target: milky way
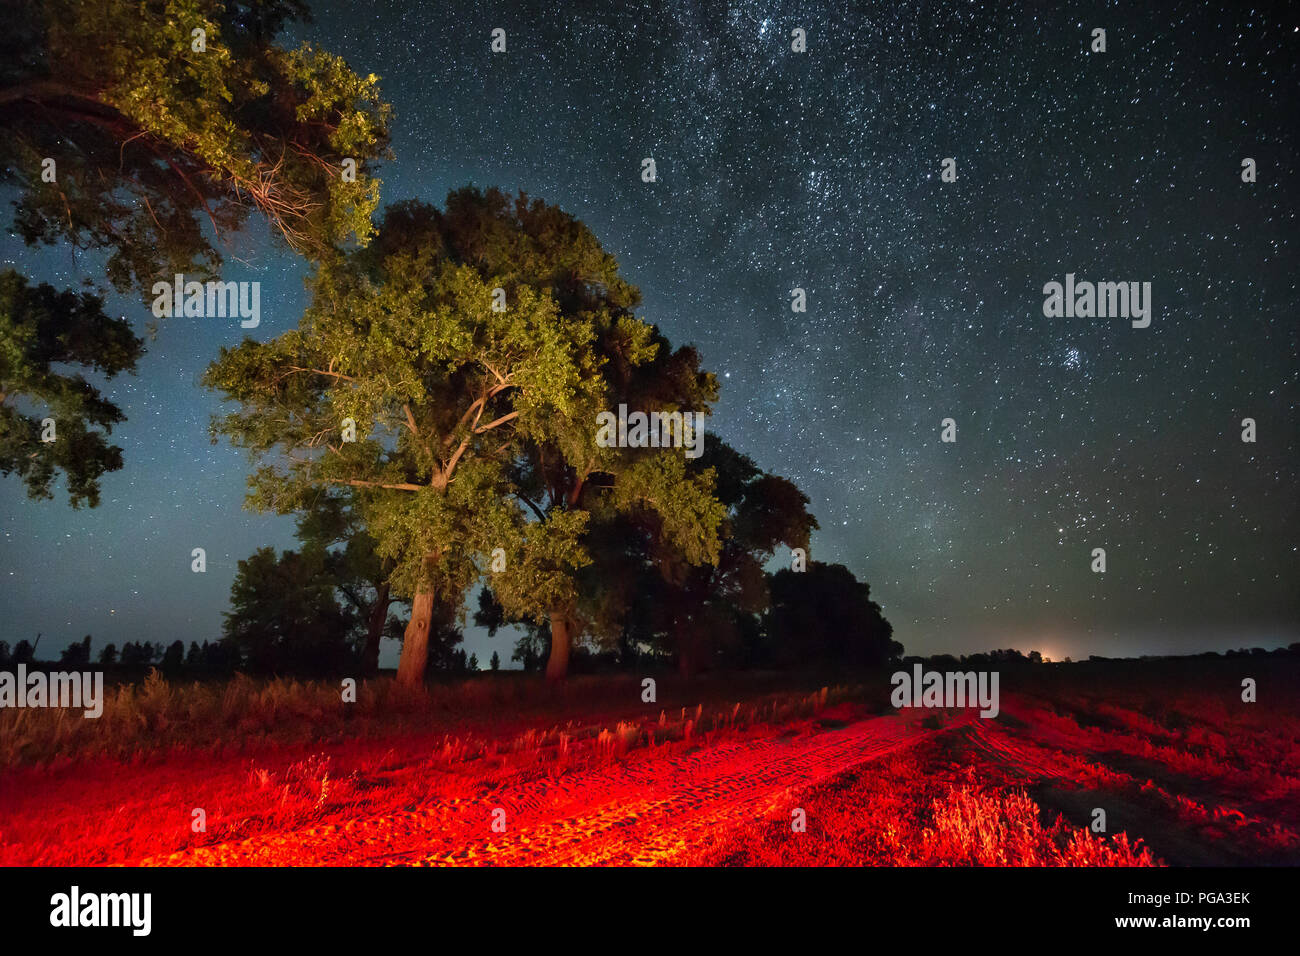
column 821, row 170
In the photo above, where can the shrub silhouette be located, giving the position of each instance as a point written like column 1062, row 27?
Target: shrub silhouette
column 826, row 615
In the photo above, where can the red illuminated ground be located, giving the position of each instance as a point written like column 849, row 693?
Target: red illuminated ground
column 905, row 788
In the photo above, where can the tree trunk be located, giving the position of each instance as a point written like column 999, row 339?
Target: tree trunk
column 557, row 665
column 378, row 618
column 415, row 644
column 625, row 645
column 685, row 663
column 685, row 651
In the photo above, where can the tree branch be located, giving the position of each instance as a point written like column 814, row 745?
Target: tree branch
column 536, row 510
column 358, row 483
column 493, row 424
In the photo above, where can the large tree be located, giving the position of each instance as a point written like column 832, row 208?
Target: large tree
column 470, row 349
column 131, row 125
column 564, row 476
column 51, row 418
column 650, row 493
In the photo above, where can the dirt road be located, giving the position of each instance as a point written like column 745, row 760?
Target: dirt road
column 646, row 809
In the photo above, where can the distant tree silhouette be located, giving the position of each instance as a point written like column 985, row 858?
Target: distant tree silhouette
column 173, row 659
column 218, row 658
column 332, row 523
column 825, row 614
column 533, row 647
column 997, row 658
column 135, row 656
column 76, row 655
column 285, row 617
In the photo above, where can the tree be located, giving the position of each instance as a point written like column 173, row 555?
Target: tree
column 66, row 419
column 285, row 617
column 645, row 599
column 456, row 403
column 108, row 656
column 495, row 663
column 162, row 116
column 131, row 126
column 330, row 524
column 219, row 658
column 563, row 478
column 826, row 615
column 139, row 656
column 76, row 655
column 616, row 492
column 173, row 659
column 532, row 649
column 712, row 610
column 444, row 635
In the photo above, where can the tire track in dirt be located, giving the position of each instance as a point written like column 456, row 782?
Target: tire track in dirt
column 1039, row 753
column 704, row 798
column 646, row 809
column 1024, row 757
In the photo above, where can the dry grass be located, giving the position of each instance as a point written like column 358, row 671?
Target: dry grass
column 920, row 808
column 974, row 827
column 144, row 808
column 276, row 762
column 244, row 714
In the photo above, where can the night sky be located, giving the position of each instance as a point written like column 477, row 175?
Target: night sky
column 821, row 170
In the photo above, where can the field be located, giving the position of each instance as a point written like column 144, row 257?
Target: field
column 760, row 771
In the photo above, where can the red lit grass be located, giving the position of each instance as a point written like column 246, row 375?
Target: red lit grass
column 155, row 717
column 589, row 775
column 919, row 808
column 106, row 811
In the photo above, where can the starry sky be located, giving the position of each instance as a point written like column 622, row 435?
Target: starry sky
column 821, row 170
